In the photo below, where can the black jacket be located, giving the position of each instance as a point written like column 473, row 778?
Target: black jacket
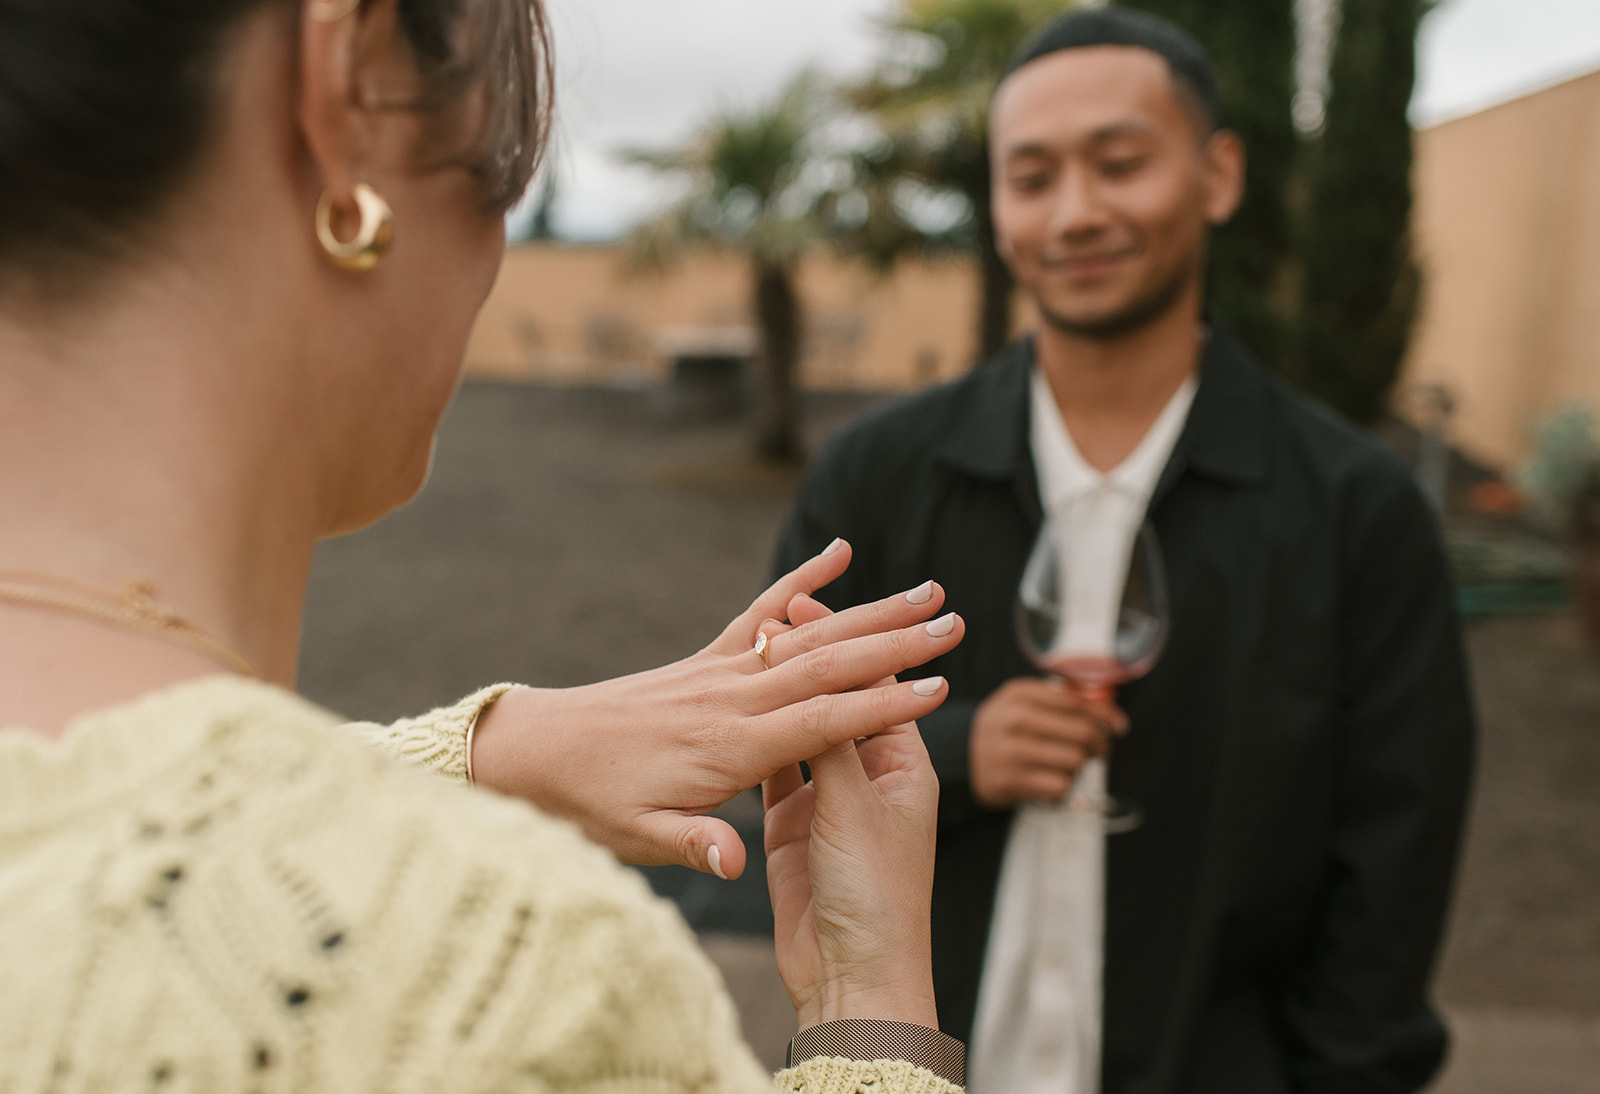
column 1302, row 750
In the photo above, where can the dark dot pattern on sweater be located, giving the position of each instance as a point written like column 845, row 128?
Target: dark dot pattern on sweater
column 161, row 897
column 267, row 941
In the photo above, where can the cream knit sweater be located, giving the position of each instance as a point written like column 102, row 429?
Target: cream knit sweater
column 215, row 889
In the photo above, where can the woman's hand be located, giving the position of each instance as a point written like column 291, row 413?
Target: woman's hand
column 850, row 871
column 637, row 762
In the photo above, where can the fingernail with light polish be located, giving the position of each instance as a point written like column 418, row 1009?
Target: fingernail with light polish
column 921, row 594
column 715, row 857
column 943, row 625
column 928, row 686
column 832, row 547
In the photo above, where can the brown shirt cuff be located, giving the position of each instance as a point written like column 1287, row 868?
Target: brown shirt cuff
column 876, row 1039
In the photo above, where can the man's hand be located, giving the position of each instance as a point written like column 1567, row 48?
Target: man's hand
column 1030, row 738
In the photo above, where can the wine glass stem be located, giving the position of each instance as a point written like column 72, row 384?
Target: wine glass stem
column 1099, row 802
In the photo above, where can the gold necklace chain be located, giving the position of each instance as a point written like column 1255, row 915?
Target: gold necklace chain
column 135, row 609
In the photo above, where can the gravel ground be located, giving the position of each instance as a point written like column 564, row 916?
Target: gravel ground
column 570, row 535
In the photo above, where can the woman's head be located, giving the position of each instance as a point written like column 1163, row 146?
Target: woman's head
column 106, row 106
column 190, row 142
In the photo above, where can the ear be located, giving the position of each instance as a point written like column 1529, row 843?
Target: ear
column 328, row 100
column 1224, row 167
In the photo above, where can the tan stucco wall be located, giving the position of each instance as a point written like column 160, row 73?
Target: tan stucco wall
column 573, row 314
column 1508, row 230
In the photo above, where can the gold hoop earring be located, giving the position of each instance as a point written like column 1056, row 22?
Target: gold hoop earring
column 331, row 11
column 372, row 238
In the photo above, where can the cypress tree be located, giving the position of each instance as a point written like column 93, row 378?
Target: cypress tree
column 1252, row 46
column 1361, row 285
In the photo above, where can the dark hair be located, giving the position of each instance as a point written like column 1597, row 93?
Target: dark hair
column 1186, row 58
column 106, row 105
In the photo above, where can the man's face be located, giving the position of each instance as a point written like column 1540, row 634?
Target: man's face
column 1104, row 187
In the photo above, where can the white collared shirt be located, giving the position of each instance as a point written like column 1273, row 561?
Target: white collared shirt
column 1037, row 1029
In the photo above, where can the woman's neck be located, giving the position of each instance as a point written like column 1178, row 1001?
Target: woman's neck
column 141, row 443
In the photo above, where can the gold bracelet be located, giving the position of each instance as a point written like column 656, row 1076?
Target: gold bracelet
column 472, row 728
column 485, row 698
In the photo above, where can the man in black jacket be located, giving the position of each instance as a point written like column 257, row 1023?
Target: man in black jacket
column 1302, row 748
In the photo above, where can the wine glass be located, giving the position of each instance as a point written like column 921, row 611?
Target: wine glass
column 1092, row 610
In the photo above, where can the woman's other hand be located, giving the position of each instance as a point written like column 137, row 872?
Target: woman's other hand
column 850, row 870
column 639, row 761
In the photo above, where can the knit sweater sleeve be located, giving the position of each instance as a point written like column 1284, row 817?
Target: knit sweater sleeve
column 652, row 1016
column 643, row 1010
column 835, row 1076
column 435, row 741
column 602, row 987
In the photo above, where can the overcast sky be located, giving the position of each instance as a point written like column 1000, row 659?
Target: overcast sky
column 643, row 73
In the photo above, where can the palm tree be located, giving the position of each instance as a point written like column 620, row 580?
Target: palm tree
column 751, row 188
column 930, row 101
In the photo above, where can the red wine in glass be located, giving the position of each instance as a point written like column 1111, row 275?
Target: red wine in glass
column 1092, row 610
